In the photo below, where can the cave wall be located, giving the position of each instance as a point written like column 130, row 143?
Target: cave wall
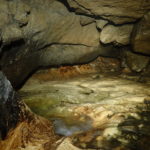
column 53, row 33
column 40, row 33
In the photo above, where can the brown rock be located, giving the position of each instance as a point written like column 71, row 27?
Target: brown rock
column 116, row 34
column 117, row 11
column 136, row 62
column 101, row 23
column 141, row 36
column 84, row 20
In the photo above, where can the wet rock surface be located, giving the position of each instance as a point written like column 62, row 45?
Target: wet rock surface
column 97, row 111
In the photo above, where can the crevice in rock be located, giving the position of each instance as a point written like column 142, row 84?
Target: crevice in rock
column 67, row 5
column 57, row 43
column 13, row 44
column 10, row 50
column 98, row 17
column 138, row 53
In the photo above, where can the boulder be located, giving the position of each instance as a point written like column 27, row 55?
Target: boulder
column 141, row 36
column 8, row 105
column 23, row 36
column 52, row 34
column 116, row 11
column 116, row 34
column 136, row 62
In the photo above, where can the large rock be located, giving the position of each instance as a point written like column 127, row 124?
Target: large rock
column 8, row 105
column 23, row 36
column 58, row 26
column 117, row 11
column 116, row 34
column 48, row 32
column 136, row 62
column 141, row 36
column 58, row 38
column 65, row 28
column 55, row 55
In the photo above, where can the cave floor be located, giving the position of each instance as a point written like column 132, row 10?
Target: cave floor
column 95, row 104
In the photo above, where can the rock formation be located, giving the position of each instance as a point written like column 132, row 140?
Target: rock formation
column 56, row 33
column 9, row 106
column 140, row 38
column 35, row 34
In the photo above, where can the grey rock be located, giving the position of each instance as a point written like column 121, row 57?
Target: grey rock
column 8, row 105
column 116, row 34
column 141, row 36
